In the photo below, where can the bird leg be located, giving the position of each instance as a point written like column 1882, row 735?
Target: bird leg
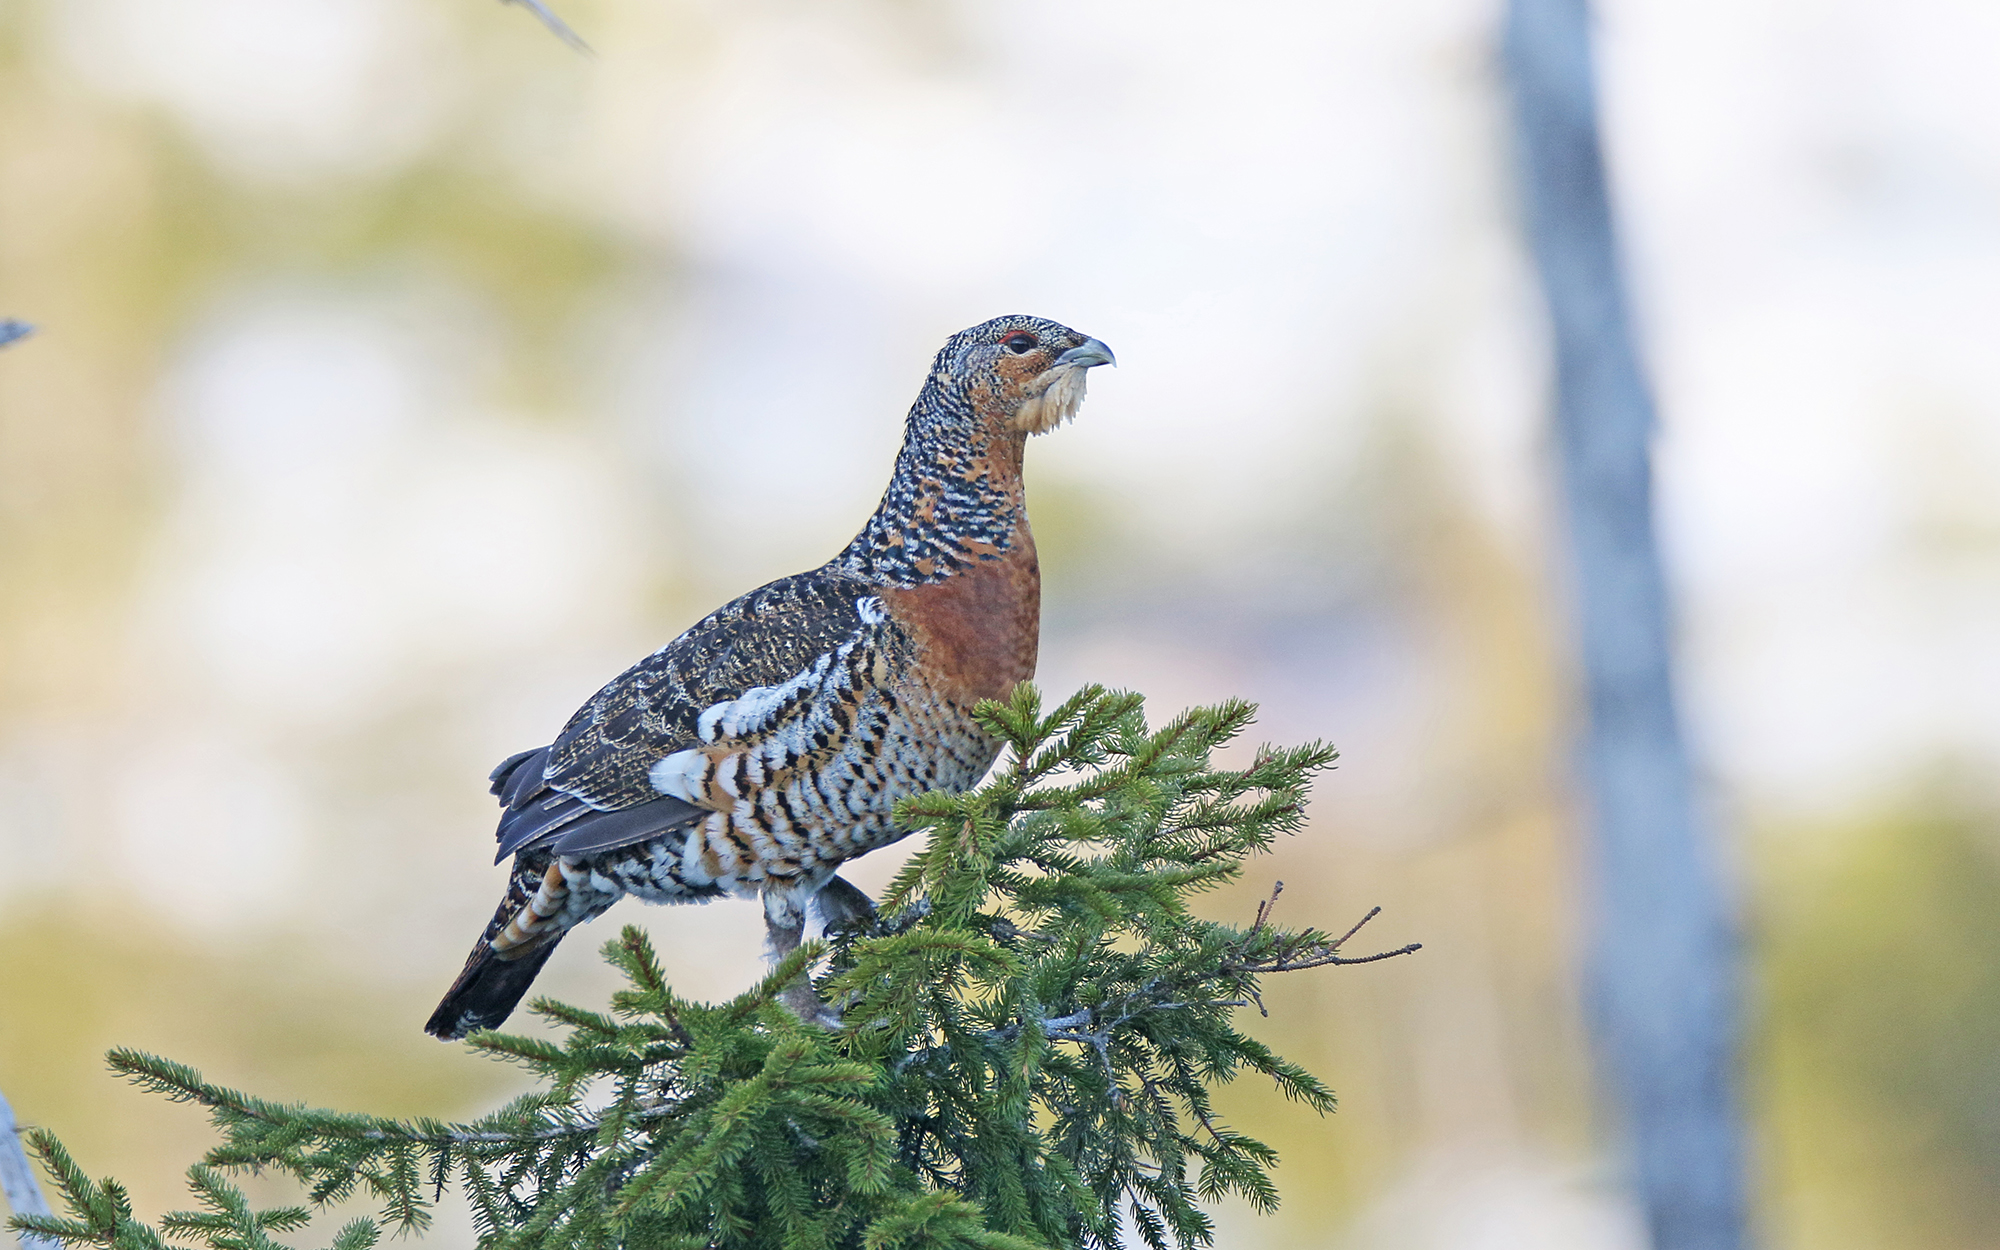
column 785, row 921
column 842, row 905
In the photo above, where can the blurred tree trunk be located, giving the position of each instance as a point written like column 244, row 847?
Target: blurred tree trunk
column 1662, row 969
column 17, row 1181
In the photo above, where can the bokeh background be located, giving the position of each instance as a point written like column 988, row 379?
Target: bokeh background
column 403, row 375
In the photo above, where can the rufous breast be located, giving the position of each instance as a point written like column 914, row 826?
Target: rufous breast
column 977, row 631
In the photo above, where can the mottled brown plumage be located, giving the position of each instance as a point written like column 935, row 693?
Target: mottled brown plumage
column 768, row 744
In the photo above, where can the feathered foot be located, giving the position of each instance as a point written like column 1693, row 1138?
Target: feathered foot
column 840, row 906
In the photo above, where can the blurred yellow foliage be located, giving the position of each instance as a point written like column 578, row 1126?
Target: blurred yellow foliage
column 1880, row 1056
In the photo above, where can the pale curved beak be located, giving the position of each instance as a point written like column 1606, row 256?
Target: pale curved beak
column 1087, row 354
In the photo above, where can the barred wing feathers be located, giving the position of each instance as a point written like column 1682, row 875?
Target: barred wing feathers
column 590, row 790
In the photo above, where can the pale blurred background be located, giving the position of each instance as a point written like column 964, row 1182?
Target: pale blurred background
column 402, row 375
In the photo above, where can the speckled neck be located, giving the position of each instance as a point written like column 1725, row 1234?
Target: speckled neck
column 955, row 497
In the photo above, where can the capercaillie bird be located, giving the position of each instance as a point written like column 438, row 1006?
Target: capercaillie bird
column 767, row 745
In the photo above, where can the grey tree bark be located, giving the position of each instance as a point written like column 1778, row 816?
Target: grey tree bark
column 17, row 1180
column 1662, row 967
column 17, row 1174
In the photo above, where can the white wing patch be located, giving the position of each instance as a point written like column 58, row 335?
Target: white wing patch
column 680, row 775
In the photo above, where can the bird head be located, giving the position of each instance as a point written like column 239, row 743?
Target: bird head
column 1024, row 374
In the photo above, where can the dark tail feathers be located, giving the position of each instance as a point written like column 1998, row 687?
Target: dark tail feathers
column 489, row 989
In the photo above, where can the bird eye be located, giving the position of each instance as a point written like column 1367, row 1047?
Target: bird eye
column 1020, row 344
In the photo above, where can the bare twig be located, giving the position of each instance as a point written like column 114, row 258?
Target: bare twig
column 17, row 1175
column 1264, row 908
column 1372, row 913
column 1332, row 960
column 1317, row 950
column 556, row 25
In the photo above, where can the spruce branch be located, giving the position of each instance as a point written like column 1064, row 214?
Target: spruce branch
column 1033, row 1025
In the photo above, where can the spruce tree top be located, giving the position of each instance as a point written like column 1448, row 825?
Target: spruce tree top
column 1031, row 1033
